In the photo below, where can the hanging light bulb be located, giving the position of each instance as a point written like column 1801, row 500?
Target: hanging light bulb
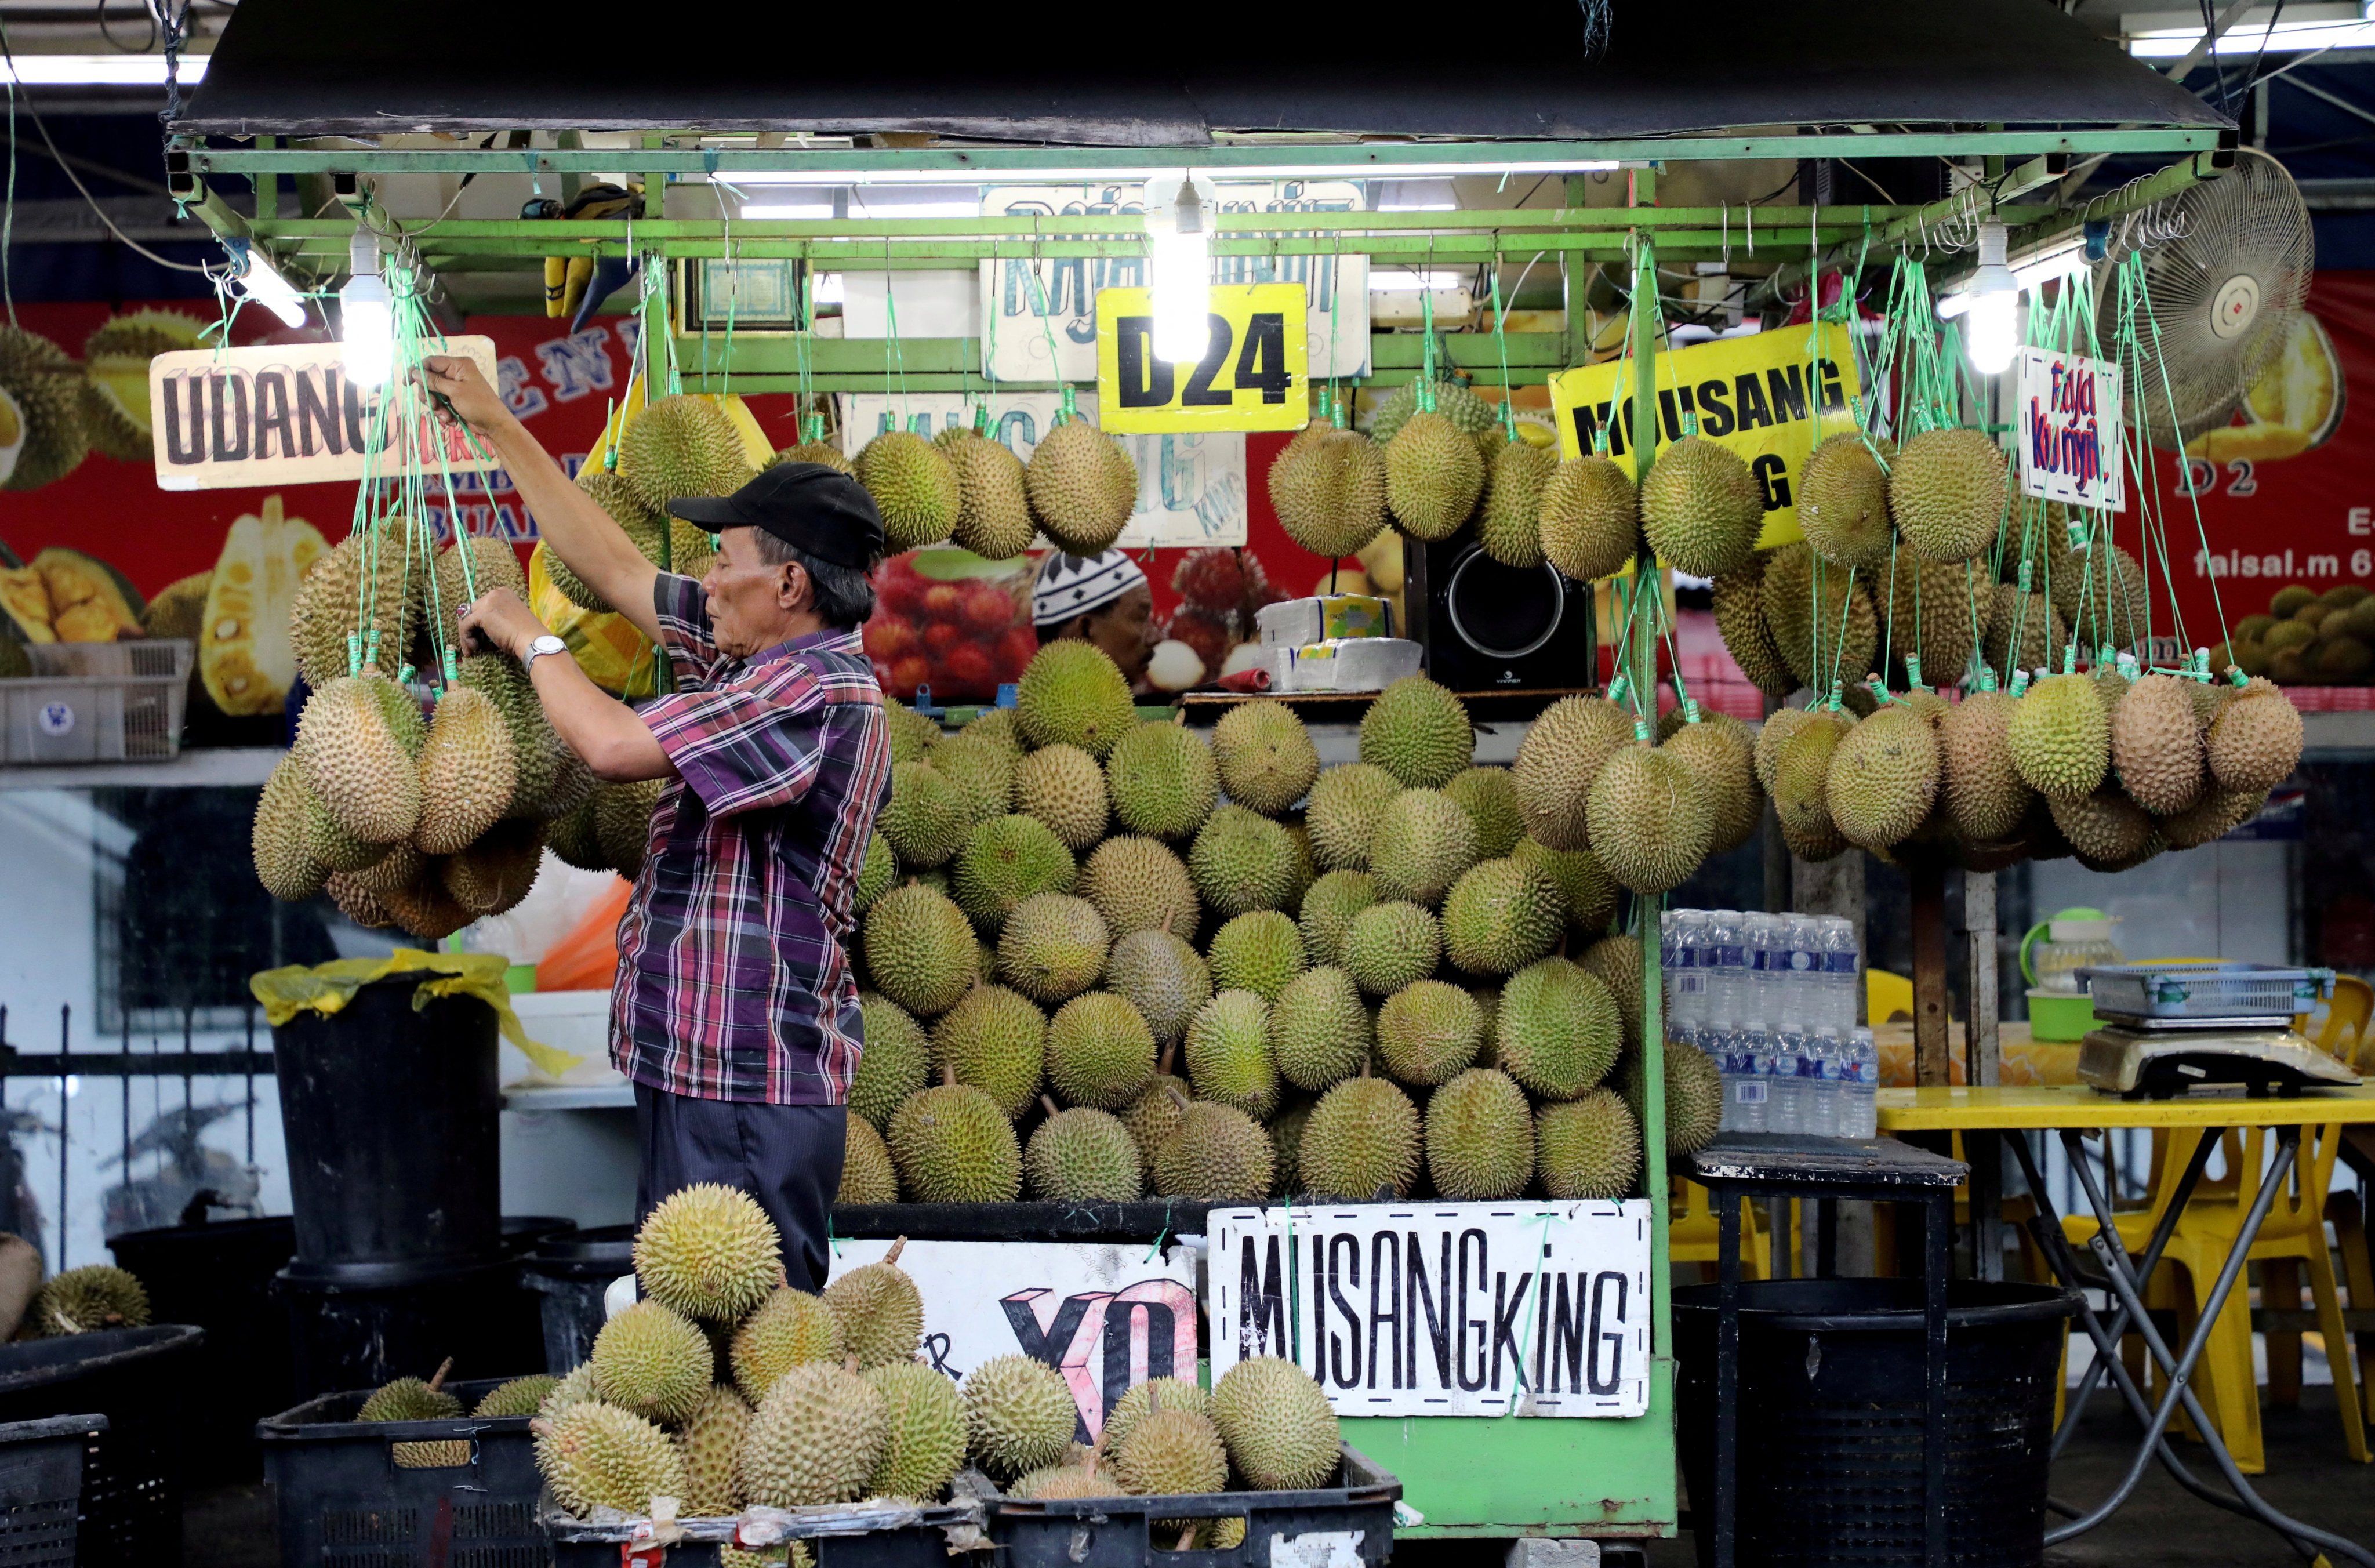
column 366, row 317
column 259, row 281
column 1992, row 335
column 1179, row 225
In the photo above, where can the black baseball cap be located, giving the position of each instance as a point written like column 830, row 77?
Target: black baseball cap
column 816, row 509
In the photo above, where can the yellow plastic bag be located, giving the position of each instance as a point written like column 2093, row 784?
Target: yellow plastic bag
column 614, row 655
column 326, row 988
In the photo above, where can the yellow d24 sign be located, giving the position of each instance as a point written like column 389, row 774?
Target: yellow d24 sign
column 1254, row 374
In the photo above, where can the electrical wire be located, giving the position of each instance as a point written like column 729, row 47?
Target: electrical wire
column 99, row 13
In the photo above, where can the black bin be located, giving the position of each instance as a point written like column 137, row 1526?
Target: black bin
column 132, row 1471
column 391, row 1116
column 348, row 1337
column 218, row 1276
column 1832, row 1409
column 569, row 1273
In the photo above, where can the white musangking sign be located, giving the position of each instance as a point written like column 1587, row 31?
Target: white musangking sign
column 1441, row 1309
column 1104, row 1316
column 2066, row 424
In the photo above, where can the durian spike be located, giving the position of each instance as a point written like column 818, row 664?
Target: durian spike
column 442, row 1368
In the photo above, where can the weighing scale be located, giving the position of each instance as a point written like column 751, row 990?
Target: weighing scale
column 2156, row 1058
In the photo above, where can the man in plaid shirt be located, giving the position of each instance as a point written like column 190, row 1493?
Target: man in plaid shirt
column 735, row 1013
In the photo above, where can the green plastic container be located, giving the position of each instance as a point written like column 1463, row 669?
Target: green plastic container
column 2059, row 1016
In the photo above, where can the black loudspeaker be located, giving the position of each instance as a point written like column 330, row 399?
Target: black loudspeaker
column 1488, row 627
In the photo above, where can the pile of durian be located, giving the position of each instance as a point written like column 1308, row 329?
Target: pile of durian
column 1106, row 958
column 725, row 1388
column 427, row 822
column 1078, row 489
column 2112, row 766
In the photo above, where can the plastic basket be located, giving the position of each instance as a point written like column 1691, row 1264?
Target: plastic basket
column 343, row 1500
column 2182, row 990
column 1357, row 1514
column 138, row 1379
column 854, row 1535
column 97, row 703
column 41, row 1489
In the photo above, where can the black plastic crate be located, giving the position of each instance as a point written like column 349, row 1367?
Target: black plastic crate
column 854, row 1535
column 1119, row 1532
column 344, row 1501
column 40, row 1487
column 138, row 1378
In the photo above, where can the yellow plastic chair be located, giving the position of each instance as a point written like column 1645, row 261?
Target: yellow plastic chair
column 1885, row 996
column 1691, row 1233
column 2341, row 1032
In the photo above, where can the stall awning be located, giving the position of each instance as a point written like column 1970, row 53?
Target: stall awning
column 1135, row 74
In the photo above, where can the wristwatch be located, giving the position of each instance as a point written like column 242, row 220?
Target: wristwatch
column 548, row 644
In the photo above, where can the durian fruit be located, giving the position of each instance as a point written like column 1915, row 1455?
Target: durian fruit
column 2024, row 632
column 1418, row 732
column 621, row 503
column 925, row 1441
column 1264, row 756
column 42, row 434
column 993, row 513
column 597, row 1456
column 1004, row 861
column 622, row 821
column 492, row 564
column 1100, row 1052
column 1701, row 508
column 915, row 488
column 1802, row 772
column 2105, row 829
column 285, row 863
column 1477, row 418
column 1063, row 786
column 1019, row 1416
column 1946, row 490
column 652, row 1362
column 1241, row 861
column 1939, row 612
column 1163, row 977
column 1480, row 1136
column 1162, row 780
column 495, row 871
column 1737, row 598
column 876, row 872
column 1616, row 962
column 247, row 656
column 1229, row 1055
column 1071, row 694
column 1649, row 824
column 881, row 1311
column 982, row 771
column 2219, row 812
column 1053, row 946
column 1821, row 620
column 1586, row 890
column 1155, row 1116
column 1884, row 778
column 1174, row 1394
column 1361, row 1140
column 1391, row 945
column 1260, row 951
column 817, row 1438
column 1428, row 1031
column 867, row 1174
column 1509, row 526
column 1694, row 1095
column 577, row 1387
column 1558, row 762
column 1721, row 754
column 1489, row 795
column 1074, row 1479
column 1319, row 1029
column 115, row 391
column 1984, row 794
column 1330, row 905
column 410, row 1399
column 467, row 772
column 1423, row 841
column 1843, row 500
column 1139, row 885
column 520, row 1397
column 682, row 445
column 2255, row 741
column 953, row 1144
column 996, row 727
column 1278, row 1426
column 357, row 745
column 2058, row 738
column 708, row 1251
column 925, row 820
column 1083, row 1155
column 1329, row 489
column 549, row 779
column 919, row 949
column 1082, row 486
column 895, row 1062
column 1500, row 916
column 993, row 1040
column 1216, row 1153
column 911, row 735
column 820, row 451
column 1558, row 1029
column 1434, row 476
column 1587, row 1148
column 1590, row 519
column 2108, row 599
column 1171, row 1453
column 381, row 564
column 710, row 1443
column 1343, row 813
column 2158, row 746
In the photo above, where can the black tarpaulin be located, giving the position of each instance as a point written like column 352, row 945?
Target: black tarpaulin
column 1142, row 75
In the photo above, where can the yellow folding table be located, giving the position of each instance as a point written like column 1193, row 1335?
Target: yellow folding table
column 2072, row 1111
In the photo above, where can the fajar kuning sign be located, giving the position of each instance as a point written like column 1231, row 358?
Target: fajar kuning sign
column 2066, row 423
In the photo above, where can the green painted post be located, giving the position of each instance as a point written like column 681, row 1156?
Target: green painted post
column 1642, row 672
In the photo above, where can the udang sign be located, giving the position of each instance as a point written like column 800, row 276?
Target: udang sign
column 1764, row 397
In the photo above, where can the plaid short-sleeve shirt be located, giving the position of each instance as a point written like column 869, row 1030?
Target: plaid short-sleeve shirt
column 734, row 976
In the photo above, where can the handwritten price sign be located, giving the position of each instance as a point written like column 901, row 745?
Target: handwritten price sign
column 2068, row 423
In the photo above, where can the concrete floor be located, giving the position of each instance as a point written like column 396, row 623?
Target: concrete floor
column 2162, row 1526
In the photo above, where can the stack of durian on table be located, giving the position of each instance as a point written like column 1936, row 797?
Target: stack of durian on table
column 1105, row 958
column 725, row 1388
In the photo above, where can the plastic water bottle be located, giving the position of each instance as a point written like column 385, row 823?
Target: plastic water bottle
column 1760, row 939
column 1745, row 1046
column 1786, row 1110
column 1818, row 1089
column 1801, row 1000
column 1858, row 1114
column 1839, row 971
column 1728, row 965
column 1686, row 978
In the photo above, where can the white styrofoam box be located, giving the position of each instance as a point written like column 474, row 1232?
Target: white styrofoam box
column 575, row 1022
column 1292, row 623
column 1351, row 664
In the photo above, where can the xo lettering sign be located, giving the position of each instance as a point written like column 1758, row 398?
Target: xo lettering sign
column 1253, row 374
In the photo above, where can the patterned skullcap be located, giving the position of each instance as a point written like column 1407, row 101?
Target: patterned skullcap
column 1072, row 584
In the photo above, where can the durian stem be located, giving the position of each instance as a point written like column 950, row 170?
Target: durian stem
column 1048, row 1101
column 1170, row 1054
column 444, row 1367
column 897, row 1247
column 1186, row 1538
